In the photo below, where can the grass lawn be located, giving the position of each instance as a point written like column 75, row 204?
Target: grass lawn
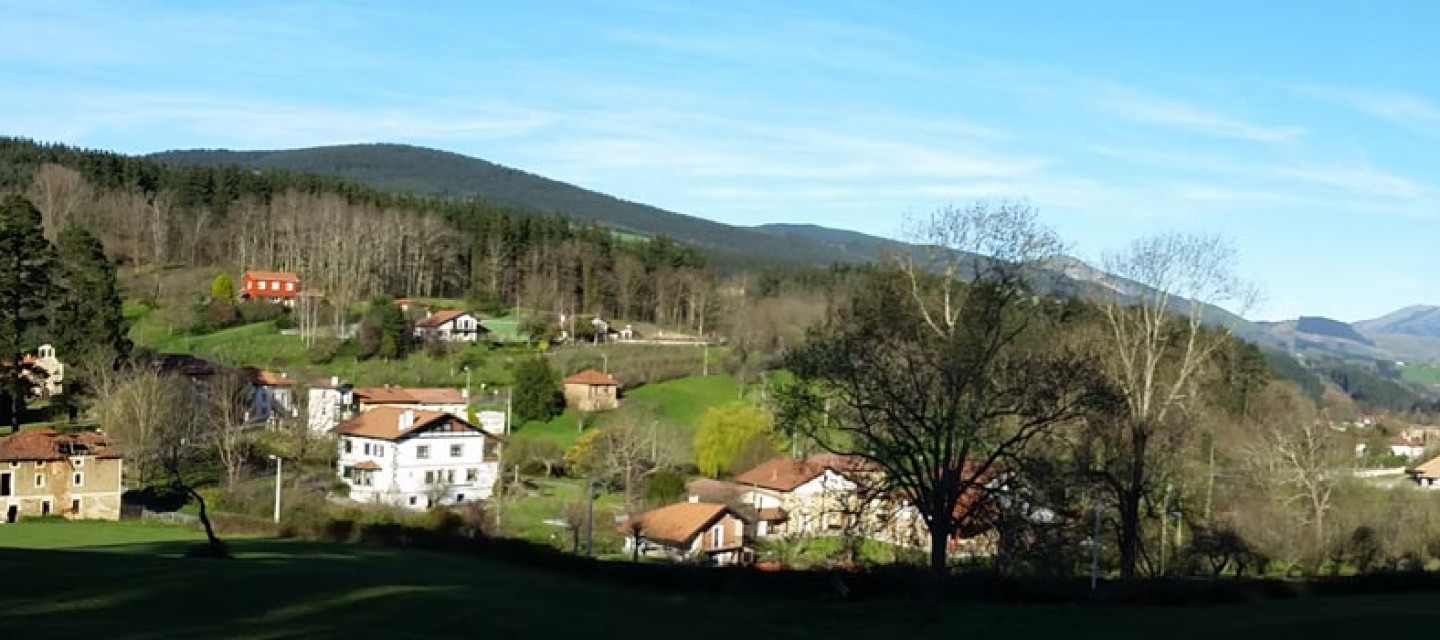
column 1422, row 374
column 524, row 517
column 61, row 534
column 277, row 589
column 685, row 401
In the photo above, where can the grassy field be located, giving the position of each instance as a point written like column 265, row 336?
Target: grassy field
column 681, row 402
column 1422, row 374
column 141, row 587
column 525, row 516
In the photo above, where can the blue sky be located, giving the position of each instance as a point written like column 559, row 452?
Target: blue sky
column 1307, row 132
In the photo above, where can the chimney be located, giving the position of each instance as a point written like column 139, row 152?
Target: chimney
column 465, row 393
column 407, row 419
column 334, row 381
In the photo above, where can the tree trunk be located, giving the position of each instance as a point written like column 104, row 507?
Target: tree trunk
column 217, row 546
column 1129, row 534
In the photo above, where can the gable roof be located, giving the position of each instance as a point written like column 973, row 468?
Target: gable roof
column 414, row 395
column 1428, row 469
column 384, row 423
column 593, row 378
column 678, row 523
column 256, row 274
column 368, row 465
column 440, row 317
column 263, row 378
column 46, row 444
column 845, row 463
column 782, row 474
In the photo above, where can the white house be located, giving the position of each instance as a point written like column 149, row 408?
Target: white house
column 796, row 497
column 450, row 326
column 327, row 404
column 1408, row 447
column 417, row 459
column 688, row 530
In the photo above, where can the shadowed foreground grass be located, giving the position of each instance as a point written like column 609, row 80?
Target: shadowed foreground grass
column 289, row 589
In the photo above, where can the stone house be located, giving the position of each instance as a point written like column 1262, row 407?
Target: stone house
column 45, row 473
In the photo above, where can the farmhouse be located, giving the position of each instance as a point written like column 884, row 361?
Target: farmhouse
column 449, row 326
column 797, row 497
column 270, row 286
column 416, row 459
column 43, row 473
column 688, row 530
column 441, row 399
column 591, row 390
column 272, row 396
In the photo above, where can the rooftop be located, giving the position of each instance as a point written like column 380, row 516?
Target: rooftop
column 46, row 444
column 593, row 378
column 678, row 523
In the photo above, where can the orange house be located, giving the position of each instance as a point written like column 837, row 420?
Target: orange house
column 275, row 286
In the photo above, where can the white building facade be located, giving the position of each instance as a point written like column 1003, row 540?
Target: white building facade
column 417, row 459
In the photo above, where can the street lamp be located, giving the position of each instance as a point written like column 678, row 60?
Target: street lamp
column 279, row 470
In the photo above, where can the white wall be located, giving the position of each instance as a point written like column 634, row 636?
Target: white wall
column 324, row 407
column 402, row 474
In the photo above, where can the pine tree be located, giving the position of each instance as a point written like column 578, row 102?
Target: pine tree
column 87, row 320
column 536, row 391
column 26, row 262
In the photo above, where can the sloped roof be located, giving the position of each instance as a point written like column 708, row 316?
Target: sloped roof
column 678, row 523
column 1428, row 469
column 772, row 514
column 845, row 463
column 46, row 444
column 263, row 378
column 440, row 317
column 781, row 474
column 272, row 275
column 593, row 378
column 414, row 395
column 368, row 465
column 384, row 423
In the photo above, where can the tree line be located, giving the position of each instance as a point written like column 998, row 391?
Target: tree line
column 352, row 242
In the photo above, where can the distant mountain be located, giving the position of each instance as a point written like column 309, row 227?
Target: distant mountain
column 1327, row 328
column 1420, row 320
column 429, row 172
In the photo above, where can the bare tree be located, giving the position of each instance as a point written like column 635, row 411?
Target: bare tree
column 226, row 411
column 152, row 418
column 930, row 371
column 1156, row 343
column 1296, row 459
column 59, row 192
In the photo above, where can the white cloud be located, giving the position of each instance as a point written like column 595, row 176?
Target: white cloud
column 1408, row 111
column 1143, row 108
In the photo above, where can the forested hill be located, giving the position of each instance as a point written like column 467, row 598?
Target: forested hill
column 428, row 172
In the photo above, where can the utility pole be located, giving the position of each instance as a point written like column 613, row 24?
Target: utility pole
column 590, row 519
column 706, row 370
column 279, row 475
column 606, row 360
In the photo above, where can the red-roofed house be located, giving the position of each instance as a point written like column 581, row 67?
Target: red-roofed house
column 797, row 497
column 591, row 390
column 449, row 326
column 271, row 286
column 688, row 530
column 73, row 475
column 416, row 459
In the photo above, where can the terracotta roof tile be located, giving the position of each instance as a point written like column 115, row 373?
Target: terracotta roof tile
column 678, row 523
column 272, row 275
column 384, row 423
column 368, row 465
column 402, row 395
column 781, row 474
column 1428, row 469
column 773, row 514
column 439, row 317
column 263, row 378
column 845, row 463
column 46, row 444
column 593, row 378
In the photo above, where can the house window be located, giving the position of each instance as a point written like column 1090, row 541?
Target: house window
column 429, row 477
column 422, row 451
column 346, row 472
column 459, row 497
column 77, row 462
column 450, row 475
column 39, row 480
column 39, row 465
column 44, row 508
column 75, row 506
column 261, row 286
column 275, row 284
column 472, row 475
column 349, row 446
column 78, row 480
column 412, row 501
column 289, row 286
column 717, row 536
column 457, row 450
